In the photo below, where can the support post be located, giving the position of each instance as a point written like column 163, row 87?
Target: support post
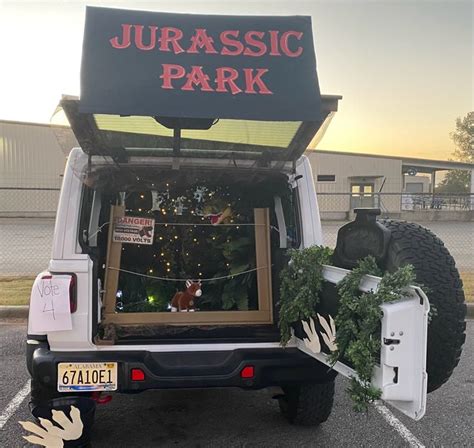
column 433, row 182
column 114, row 254
column 471, row 197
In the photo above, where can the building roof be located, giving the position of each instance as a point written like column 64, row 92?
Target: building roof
column 420, row 165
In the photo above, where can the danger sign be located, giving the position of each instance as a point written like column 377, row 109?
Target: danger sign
column 133, row 230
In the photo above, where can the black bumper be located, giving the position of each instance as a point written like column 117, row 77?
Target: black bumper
column 272, row 367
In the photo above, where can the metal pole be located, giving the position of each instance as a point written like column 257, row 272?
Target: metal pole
column 433, row 181
column 472, row 190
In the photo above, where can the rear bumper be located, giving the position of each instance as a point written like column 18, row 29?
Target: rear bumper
column 272, row 367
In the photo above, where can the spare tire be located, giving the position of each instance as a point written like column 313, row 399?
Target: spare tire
column 435, row 271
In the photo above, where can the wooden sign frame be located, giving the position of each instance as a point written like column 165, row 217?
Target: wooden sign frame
column 264, row 314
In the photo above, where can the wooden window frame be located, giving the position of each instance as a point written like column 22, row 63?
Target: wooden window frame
column 264, row 314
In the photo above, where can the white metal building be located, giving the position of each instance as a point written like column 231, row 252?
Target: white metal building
column 345, row 180
column 32, row 158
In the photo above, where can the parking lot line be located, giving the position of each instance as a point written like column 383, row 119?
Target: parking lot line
column 398, row 426
column 14, row 404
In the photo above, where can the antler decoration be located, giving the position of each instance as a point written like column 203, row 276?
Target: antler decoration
column 330, row 336
column 52, row 436
column 312, row 342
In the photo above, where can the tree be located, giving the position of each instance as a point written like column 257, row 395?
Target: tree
column 455, row 181
column 458, row 181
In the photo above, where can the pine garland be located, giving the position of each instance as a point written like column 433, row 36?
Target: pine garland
column 301, row 284
column 358, row 317
column 358, row 324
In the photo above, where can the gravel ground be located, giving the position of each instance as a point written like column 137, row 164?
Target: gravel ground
column 235, row 418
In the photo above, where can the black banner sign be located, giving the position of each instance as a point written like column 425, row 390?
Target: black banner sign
column 199, row 66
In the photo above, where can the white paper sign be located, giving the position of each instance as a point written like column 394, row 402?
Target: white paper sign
column 134, row 230
column 49, row 304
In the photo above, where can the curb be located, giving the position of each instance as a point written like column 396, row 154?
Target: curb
column 21, row 312
column 14, row 312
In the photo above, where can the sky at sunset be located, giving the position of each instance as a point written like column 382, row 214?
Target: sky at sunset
column 404, row 68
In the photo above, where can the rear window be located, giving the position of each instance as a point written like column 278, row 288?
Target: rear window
column 217, row 227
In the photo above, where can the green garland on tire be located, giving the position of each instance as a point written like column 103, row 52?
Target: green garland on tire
column 358, row 323
column 358, row 317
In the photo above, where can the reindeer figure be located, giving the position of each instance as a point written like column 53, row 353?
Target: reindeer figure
column 184, row 300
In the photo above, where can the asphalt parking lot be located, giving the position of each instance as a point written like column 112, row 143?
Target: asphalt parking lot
column 235, row 418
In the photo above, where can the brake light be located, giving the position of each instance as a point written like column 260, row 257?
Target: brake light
column 247, row 372
column 137, row 375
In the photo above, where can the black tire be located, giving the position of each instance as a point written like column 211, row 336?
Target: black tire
column 436, row 270
column 307, row 404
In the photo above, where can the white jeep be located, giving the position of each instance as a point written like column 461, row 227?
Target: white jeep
column 173, row 227
column 223, row 213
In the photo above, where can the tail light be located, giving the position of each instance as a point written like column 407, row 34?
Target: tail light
column 73, row 293
column 247, row 372
column 137, row 375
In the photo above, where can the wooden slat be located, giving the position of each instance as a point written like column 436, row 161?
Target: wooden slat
column 193, row 318
column 114, row 254
column 263, row 258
